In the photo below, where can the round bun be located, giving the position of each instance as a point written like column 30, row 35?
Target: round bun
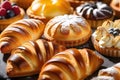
column 47, row 9
column 106, row 39
column 69, row 30
column 95, row 11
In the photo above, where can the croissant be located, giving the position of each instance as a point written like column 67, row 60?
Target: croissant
column 19, row 32
column 71, row 64
column 28, row 58
column 112, row 72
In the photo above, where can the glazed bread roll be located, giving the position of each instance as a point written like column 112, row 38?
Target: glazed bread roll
column 71, row 64
column 19, row 32
column 112, row 72
column 28, row 58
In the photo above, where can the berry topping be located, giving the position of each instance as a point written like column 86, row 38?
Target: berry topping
column 3, row 11
column 16, row 10
column 114, row 31
column 7, row 5
column 8, row 10
column 10, row 13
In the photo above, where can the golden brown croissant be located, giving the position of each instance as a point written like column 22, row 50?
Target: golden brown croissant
column 112, row 72
column 19, row 32
column 28, row 59
column 71, row 64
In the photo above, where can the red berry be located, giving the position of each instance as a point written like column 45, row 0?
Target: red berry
column 3, row 12
column 16, row 10
column 7, row 5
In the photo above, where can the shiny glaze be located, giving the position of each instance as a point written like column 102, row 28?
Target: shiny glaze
column 94, row 10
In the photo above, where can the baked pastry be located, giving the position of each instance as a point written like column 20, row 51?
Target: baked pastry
column 9, row 13
column 47, row 9
column 28, row 58
column 71, row 64
column 110, row 73
column 22, row 3
column 95, row 12
column 106, row 39
column 68, row 30
column 115, row 5
column 19, row 32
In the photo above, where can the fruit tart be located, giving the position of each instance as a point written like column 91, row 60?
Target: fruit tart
column 47, row 9
column 106, row 38
column 9, row 13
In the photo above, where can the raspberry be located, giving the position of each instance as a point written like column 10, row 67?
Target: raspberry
column 3, row 12
column 16, row 10
column 7, row 5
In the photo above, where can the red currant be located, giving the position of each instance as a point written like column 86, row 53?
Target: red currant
column 3, row 12
column 7, row 5
column 16, row 10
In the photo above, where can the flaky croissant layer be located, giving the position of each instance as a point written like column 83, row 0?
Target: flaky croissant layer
column 19, row 32
column 28, row 58
column 71, row 64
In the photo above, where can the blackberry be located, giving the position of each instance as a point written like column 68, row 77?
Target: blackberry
column 114, row 32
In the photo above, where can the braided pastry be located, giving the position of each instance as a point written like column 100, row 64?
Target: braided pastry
column 28, row 58
column 19, row 32
column 110, row 73
column 71, row 64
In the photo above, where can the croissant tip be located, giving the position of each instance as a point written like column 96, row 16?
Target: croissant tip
column 3, row 47
column 9, row 68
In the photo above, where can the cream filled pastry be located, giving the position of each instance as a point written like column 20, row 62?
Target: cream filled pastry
column 106, row 38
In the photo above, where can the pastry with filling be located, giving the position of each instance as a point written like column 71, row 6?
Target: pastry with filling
column 106, row 39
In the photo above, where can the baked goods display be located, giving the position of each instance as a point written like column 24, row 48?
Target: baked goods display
column 71, row 64
column 9, row 13
column 68, row 30
column 95, row 12
column 22, row 3
column 115, row 5
column 19, row 32
column 110, row 73
column 106, row 39
column 28, row 58
column 52, row 33
column 47, row 9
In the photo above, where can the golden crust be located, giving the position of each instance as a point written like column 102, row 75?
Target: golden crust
column 28, row 58
column 19, row 32
column 47, row 9
column 70, row 30
column 112, row 52
column 71, row 64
